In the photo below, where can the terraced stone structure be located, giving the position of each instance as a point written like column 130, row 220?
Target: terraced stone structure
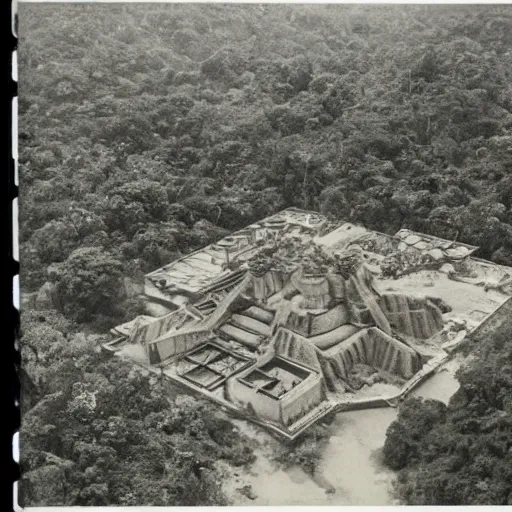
column 296, row 316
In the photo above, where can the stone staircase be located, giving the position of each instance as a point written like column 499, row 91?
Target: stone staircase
column 206, row 306
column 225, row 283
column 248, row 327
column 260, row 314
column 332, row 338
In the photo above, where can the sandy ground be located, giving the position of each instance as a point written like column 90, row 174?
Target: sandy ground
column 351, row 470
column 443, row 384
column 271, row 484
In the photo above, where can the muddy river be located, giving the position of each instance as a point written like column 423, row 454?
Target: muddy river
column 351, row 470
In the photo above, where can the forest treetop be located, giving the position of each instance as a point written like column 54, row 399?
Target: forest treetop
column 148, row 130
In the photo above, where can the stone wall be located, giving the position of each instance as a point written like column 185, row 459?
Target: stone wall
column 362, row 300
column 499, row 317
column 174, row 344
column 283, row 410
column 372, row 347
column 334, row 318
column 153, row 330
column 269, row 284
column 299, row 323
column 293, row 346
column 375, row 348
column 300, row 400
column 416, row 317
column 309, row 324
column 265, row 406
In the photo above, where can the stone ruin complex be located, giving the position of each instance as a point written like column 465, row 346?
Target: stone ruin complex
column 296, row 316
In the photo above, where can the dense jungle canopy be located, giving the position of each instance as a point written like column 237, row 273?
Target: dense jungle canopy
column 149, row 130
column 460, row 454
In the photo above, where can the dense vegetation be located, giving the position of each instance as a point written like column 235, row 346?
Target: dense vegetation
column 147, row 131
column 460, row 454
column 98, row 432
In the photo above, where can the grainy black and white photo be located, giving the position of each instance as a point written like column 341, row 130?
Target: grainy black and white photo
column 265, row 254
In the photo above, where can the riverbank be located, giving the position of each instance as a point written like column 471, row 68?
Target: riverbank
column 350, row 471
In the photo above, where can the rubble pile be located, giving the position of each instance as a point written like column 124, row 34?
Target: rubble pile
column 415, row 252
column 347, row 262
